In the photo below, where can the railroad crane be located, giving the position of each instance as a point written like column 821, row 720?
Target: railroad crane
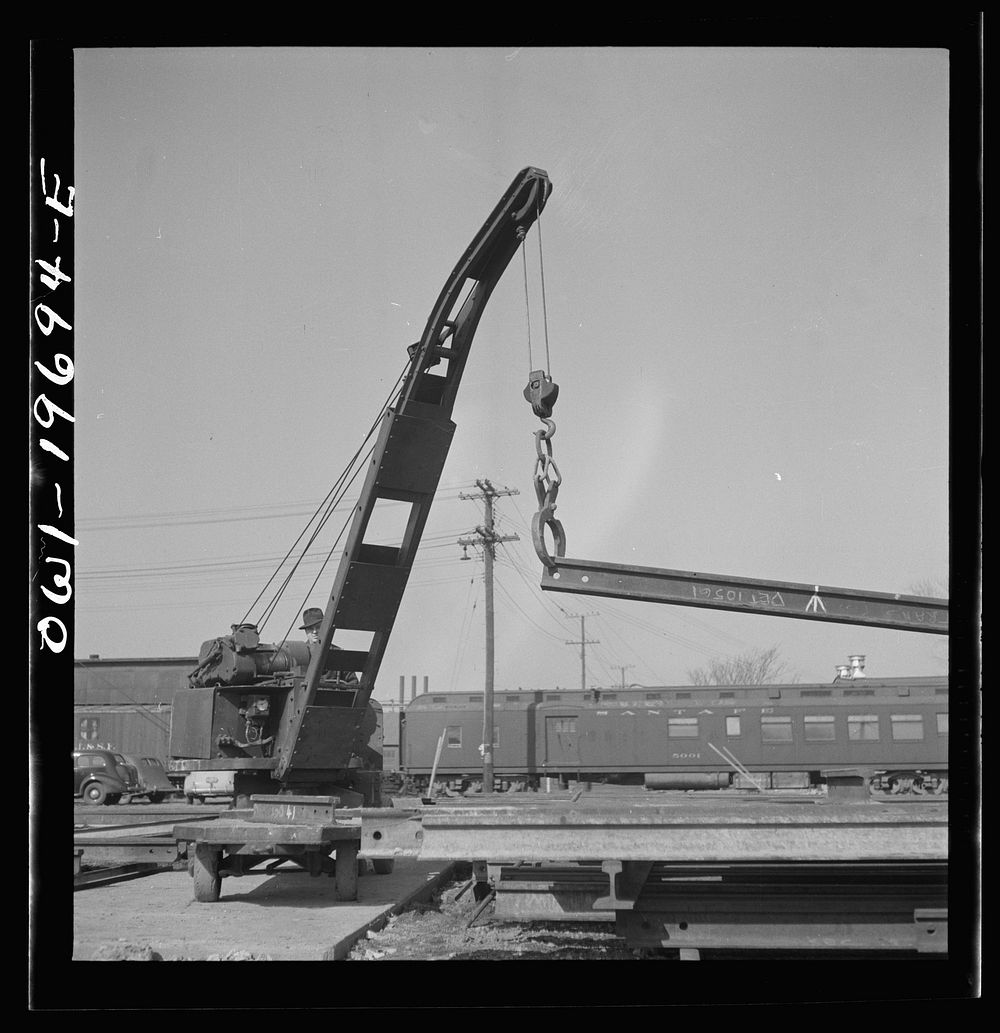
column 299, row 717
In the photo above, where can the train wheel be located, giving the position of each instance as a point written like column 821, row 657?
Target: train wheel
column 95, row 793
column 205, row 869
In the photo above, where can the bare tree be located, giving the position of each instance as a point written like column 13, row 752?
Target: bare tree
column 935, row 588
column 931, row 587
column 758, row 667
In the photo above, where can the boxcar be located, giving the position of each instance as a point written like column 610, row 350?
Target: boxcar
column 142, row 731
column 126, row 704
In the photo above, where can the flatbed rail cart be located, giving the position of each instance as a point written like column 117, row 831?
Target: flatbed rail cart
column 301, row 829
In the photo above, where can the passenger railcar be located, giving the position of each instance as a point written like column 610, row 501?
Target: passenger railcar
column 892, row 730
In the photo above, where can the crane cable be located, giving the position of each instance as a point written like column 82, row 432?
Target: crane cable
column 323, row 512
column 541, row 394
column 545, row 317
column 527, row 307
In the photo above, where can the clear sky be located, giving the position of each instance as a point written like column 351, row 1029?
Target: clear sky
column 746, row 299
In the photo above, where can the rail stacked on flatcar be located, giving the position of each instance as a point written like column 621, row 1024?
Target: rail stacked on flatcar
column 892, row 730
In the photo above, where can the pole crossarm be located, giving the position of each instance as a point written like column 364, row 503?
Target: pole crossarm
column 748, row 595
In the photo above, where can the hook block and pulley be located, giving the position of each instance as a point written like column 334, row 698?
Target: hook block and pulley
column 541, row 393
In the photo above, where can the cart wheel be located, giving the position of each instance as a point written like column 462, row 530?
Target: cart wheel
column 95, row 793
column 156, row 797
column 346, row 870
column 205, row 869
column 383, row 865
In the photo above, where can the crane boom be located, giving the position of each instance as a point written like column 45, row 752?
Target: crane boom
column 405, row 466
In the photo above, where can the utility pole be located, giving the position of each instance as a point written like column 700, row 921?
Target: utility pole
column 487, row 537
column 623, row 668
column 583, row 643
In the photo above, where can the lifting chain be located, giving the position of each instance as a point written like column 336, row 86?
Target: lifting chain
column 542, row 392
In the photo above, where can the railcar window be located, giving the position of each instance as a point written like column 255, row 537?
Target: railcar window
column 476, row 698
column 654, row 695
column 727, row 695
column 942, row 724
column 775, row 729
column 453, row 735
column 859, row 692
column 682, row 728
column 820, row 728
column 815, row 692
column 552, row 695
column 439, row 699
column 513, row 699
column 609, row 695
column 862, row 727
column 907, row 727
column 733, row 727
column 563, row 724
column 683, row 695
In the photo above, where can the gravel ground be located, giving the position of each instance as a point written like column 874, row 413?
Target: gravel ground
column 439, row 931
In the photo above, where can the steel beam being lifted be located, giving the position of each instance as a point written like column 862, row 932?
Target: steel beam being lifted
column 747, row 595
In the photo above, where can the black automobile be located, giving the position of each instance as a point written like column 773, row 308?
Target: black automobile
column 102, row 776
column 153, row 781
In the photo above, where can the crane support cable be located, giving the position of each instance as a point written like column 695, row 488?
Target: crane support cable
column 545, row 317
column 333, row 497
column 527, row 307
